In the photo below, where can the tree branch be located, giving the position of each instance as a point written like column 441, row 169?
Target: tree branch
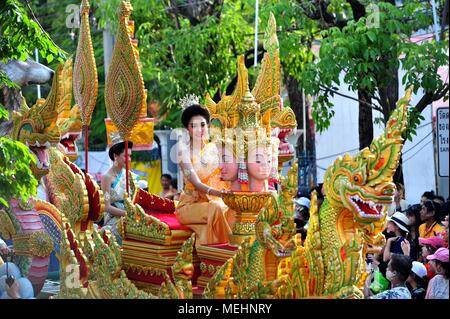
column 444, row 18
column 374, row 107
column 429, row 98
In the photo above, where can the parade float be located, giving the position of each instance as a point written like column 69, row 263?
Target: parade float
column 159, row 257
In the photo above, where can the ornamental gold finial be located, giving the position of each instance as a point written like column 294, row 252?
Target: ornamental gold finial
column 124, row 87
column 85, row 6
column 85, row 82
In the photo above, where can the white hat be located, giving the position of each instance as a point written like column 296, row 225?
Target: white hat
column 419, row 269
column 303, row 201
column 400, row 220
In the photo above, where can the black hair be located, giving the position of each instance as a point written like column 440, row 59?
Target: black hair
column 193, row 110
column 168, row 176
column 174, row 183
column 403, row 233
column 401, row 264
column 318, row 190
column 421, row 281
column 444, row 265
column 431, row 249
column 118, row 149
column 414, row 210
column 435, row 207
column 430, row 195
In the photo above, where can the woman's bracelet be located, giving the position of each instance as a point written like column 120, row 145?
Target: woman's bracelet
column 208, row 192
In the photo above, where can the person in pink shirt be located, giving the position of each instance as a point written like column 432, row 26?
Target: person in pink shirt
column 438, row 286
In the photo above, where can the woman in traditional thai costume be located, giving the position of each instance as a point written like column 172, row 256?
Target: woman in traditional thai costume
column 201, row 207
column 114, row 186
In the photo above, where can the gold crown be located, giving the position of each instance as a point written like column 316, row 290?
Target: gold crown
column 189, row 100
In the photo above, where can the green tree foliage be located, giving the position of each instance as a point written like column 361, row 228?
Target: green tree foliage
column 19, row 36
column 364, row 54
column 16, row 177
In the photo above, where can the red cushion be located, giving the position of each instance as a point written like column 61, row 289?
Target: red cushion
column 154, row 203
column 169, row 219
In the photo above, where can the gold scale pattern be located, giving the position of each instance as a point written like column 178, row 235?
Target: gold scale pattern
column 85, row 84
column 124, row 85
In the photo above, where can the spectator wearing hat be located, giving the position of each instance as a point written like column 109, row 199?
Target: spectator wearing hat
column 417, row 280
column 430, row 216
column 398, row 244
column 398, row 270
column 438, row 286
column 301, row 215
column 429, row 247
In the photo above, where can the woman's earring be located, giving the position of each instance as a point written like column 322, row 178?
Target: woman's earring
column 116, row 164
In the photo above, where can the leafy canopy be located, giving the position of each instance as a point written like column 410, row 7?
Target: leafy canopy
column 364, row 52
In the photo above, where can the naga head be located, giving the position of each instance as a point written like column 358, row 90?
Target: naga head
column 363, row 183
column 36, row 127
column 69, row 118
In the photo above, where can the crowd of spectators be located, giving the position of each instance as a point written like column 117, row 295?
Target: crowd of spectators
column 414, row 262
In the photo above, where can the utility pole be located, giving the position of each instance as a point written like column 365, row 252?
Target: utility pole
column 38, row 87
column 255, row 61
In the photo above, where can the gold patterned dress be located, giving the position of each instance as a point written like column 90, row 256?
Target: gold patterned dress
column 206, row 215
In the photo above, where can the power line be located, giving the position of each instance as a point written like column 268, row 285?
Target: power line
column 415, row 145
column 404, row 161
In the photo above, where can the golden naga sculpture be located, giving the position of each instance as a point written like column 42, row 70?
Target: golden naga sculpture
column 358, row 191
column 36, row 127
column 68, row 122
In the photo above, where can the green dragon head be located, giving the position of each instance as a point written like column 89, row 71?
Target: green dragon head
column 363, row 183
column 69, row 119
column 36, row 126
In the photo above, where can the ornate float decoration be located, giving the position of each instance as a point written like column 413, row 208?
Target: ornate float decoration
column 36, row 127
column 278, row 120
column 142, row 133
column 68, row 122
column 331, row 261
column 85, row 82
column 158, row 256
